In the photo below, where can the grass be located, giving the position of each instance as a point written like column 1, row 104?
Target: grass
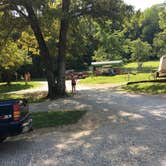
column 115, row 79
column 148, row 88
column 56, row 118
column 31, row 97
column 16, row 86
column 147, row 66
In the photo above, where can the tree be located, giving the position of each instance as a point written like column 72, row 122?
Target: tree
column 11, row 58
column 27, row 10
column 150, row 24
column 140, row 51
column 159, row 41
column 34, row 12
column 110, row 43
column 132, row 26
column 44, row 51
column 62, row 47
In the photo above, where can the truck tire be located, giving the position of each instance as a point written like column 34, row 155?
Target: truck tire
column 2, row 139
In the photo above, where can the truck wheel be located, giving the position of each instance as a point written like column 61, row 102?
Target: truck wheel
column 2, row 139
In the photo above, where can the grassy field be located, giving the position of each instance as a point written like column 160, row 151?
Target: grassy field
column 146, row 75
column 148, row 88
column 115, row 79
column 31, row 97
column 16, row 86
column 147, row 66
column 56, row 118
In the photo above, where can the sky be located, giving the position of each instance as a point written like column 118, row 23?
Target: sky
column 143, row 4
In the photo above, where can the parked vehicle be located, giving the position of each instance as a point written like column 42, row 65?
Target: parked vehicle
column 77, row 75
column 14, row 118
column 162, row 67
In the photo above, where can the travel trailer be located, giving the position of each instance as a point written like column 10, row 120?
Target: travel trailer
column 162, row 67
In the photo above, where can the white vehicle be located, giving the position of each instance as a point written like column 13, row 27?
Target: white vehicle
column 162, row 67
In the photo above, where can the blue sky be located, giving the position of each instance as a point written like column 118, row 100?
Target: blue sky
column 143, row 4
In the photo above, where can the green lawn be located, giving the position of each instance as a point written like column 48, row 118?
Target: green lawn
column 16, row 86
column 148, row 88
column 56, row 118
column 115, row 79
column 31, row 97
column 147, row 66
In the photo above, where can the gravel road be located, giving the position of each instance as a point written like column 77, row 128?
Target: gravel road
column 120, row 129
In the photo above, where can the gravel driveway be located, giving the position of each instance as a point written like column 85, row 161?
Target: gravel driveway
column 120, row 129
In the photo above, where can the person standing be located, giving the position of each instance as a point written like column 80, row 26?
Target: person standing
column 26, row 78
column 29, row 76
column 73, row 83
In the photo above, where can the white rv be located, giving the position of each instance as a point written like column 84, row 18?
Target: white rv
column 162, row 67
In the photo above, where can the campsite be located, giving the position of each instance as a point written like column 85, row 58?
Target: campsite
column 82, row 83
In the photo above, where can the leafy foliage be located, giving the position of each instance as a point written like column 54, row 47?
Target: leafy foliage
column 140, row 50
column 150, row 24
column 11, row 57
column 159, row 41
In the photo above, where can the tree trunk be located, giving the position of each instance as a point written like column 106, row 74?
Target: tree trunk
column 8, row 77
column 62, row 48
column 44, row 51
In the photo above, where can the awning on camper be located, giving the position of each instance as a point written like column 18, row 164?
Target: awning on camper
column 106, row 63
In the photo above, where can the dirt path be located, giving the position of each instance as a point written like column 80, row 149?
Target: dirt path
column 44, row 87
column 120, row 129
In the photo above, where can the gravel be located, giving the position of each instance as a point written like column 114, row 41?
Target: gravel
column 120, row 129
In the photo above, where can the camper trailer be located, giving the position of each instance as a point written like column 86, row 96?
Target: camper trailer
column 162, row 67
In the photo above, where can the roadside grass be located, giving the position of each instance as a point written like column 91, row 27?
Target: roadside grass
column 56, row 118
column 115, row 79
column 11, row 92
column 16, row 86
column 31, row 97
column 147, row 88
column 6, row 91
column 147, row 66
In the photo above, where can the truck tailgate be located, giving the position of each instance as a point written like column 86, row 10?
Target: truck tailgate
column 14, row 117
column 6, row 112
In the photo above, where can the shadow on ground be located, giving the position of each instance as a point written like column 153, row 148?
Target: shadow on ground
column 14, row 87
column 127, row 130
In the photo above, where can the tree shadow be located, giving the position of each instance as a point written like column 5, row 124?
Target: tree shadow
column 127, row 133
column 14, row 87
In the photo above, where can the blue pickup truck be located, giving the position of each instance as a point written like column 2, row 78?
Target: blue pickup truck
column 14, row 118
